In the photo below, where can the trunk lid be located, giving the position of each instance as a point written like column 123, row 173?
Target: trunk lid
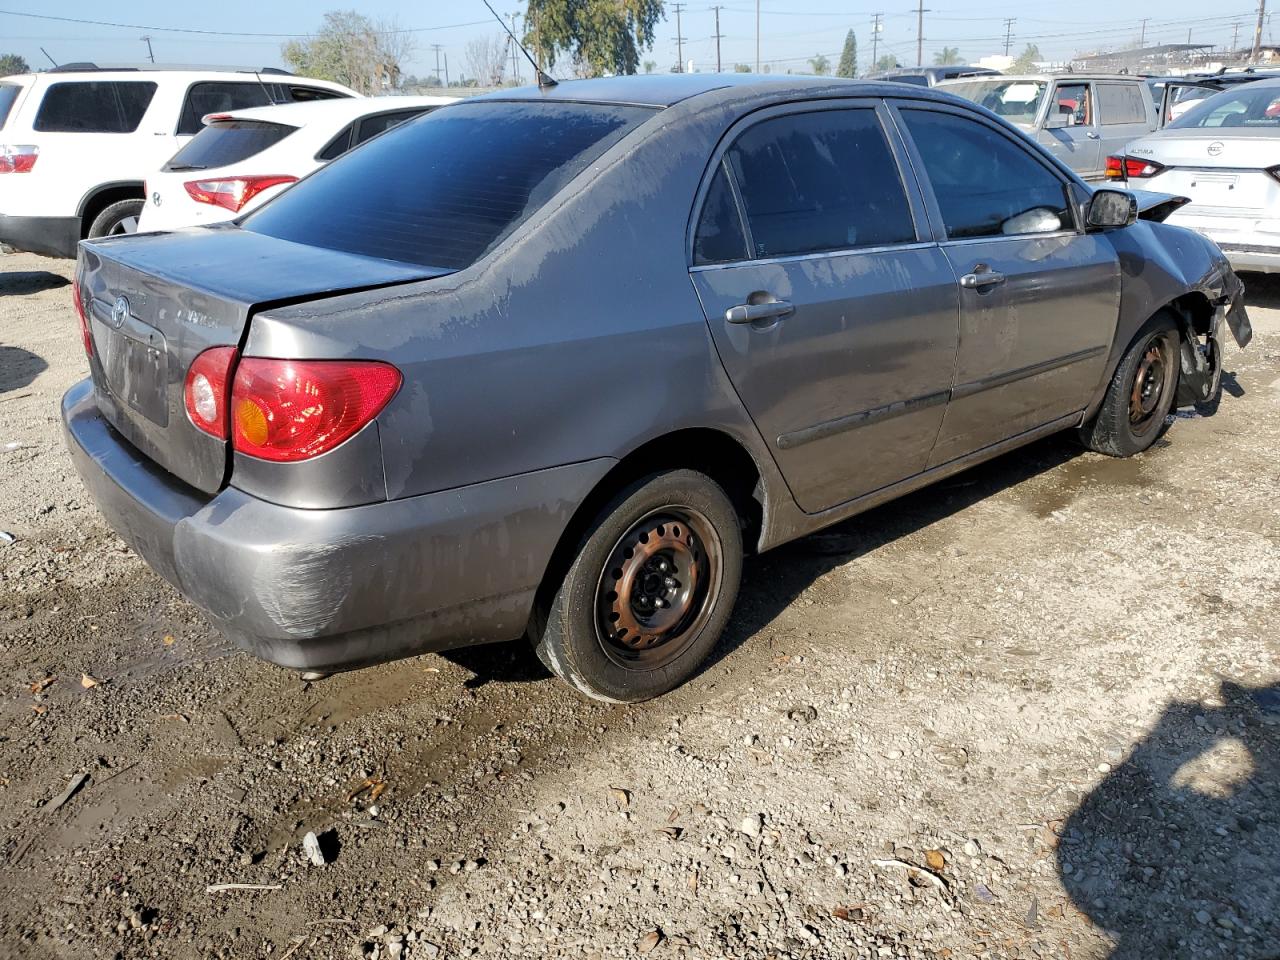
column 155, row 302
column 1221, row 170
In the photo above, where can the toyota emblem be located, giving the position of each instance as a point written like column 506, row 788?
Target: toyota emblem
column 120, row 312
column 1215, row 148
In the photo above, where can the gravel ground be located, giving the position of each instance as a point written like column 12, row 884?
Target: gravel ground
column 1032, row 712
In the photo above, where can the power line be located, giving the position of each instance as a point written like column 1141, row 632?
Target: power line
column 220, row 33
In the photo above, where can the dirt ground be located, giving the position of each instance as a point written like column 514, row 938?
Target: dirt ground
column 1032, row 712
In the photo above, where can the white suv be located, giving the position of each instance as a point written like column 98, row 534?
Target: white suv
column 78, row 142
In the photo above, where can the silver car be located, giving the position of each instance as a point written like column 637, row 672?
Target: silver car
column 1223, row 156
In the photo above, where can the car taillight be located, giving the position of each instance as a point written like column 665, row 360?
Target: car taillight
column 232, row 192
column 205, row 390
column 289, row 410
column 1131, row 168
column 82, row 314
column 18, row 159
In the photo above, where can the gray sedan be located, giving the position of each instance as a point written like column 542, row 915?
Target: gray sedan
column 550, row 362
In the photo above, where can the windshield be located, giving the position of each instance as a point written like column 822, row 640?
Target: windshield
column 225, row 142
column 1248, row 105
column 444, row 189
column 1018, row 101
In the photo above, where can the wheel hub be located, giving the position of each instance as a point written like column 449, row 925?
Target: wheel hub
column 1148, row 384
column 653, row 584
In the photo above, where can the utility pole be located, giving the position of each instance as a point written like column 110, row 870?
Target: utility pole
column 920, row 12
column 1235, row 37
column 150, row 56
column 446, row 69
column 757, row 36
column 515, row 50
column 718, row 36
column 876, row 27
column 679, row 40
column 1257, row 33
column 437, row 48
column 1008, row 33
column 1142, row 37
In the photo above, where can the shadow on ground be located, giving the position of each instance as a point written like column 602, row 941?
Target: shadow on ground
column 18, row 368
column 20, row 283
column 1174, row 853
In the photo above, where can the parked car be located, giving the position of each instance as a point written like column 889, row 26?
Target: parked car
column 1224, row 156
column 77, row 142
column 243, row 158
column 1081, row 118
column 1176, row 95
column 931, row 76
column 551, row 361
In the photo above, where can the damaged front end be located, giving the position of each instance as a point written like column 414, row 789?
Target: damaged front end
column 1200, row 359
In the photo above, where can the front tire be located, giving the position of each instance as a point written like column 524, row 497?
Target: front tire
column 1141, row 392
column 649, row 593
column 117, row 219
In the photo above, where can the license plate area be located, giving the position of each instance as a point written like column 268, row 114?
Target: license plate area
column 1220, row 186
column 134, row 362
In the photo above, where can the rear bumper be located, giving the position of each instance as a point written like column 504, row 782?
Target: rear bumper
column 50, row 236
column 1248, row 243
column 328, row 589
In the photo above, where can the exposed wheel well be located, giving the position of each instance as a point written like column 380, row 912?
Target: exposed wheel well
column 708, row 451
column 103, row 197
column 1195, row 309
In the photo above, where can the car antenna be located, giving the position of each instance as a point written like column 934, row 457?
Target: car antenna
column 544, row 79
column 270, row 99
column 51, row 60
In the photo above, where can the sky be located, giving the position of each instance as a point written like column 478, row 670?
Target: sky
column 248, row 33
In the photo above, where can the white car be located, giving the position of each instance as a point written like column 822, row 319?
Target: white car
column 243, row 158
column 77, row 142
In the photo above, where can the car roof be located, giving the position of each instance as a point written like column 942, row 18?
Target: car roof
column 332, row 111
column 668, row 89
column 1052, row 76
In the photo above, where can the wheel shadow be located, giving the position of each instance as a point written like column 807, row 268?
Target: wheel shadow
column 1174, row 853
column 19, row 368
column 21, row 283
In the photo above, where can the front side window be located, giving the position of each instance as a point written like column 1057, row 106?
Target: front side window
column 95, row 106
column 445, row 189
column 985, row 185
column 219, row 97
column 813, row 182
column 1120, row 103
column 1072, row 102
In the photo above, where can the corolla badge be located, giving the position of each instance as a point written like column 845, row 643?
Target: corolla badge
column 1215, row 148
column 120, row 312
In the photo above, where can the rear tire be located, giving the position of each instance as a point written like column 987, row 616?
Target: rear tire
column 117, row 219
column 1141, row 392
column 649, row 592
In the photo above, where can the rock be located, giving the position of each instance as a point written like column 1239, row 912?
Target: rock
column 805, row 714
column 1202, row 916
column 311, row 847
column 752, row 825
column 972, row 848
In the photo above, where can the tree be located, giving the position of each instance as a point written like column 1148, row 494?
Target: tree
column 350, row 48
column 820, row 64
column 11, row 63
column 486, row 59
column 1026, row 62
column 599, row 36
column 887, row 62
column 848, row 57
column 741, row 68
column 947, row 56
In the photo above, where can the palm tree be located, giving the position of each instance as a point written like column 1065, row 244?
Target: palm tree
column 820, row 64
column 947, row 56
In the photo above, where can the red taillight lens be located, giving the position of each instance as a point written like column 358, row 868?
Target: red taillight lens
column 18, row 159
column 1131, row 168
column 288, row 410
column 205, row 392
column 81, row 313
column 232, row 192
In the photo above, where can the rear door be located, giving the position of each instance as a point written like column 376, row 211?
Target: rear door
column 1070, row 128
column 1039, row 298
column 833, row 311
column 1123, row 115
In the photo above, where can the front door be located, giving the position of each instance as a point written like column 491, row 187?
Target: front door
column 1039, row 298
column 834, row 316
column 1070, row 128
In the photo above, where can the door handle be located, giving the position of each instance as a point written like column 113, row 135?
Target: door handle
column 981, row 278
column 1093, row 135
column 751, row 312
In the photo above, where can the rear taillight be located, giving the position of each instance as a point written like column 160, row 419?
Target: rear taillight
column 18, row 159
column 1131, row 168
column 288, row 410
column 205, row 391
column 82, row 314
column 232, row 193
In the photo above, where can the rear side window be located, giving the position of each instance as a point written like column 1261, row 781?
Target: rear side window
column 307, row 94
column 370, row 127
column 719, row 238
column 1120, row 103
column 443, row 190
column 228, row 141
column 8, row 97
column 95, row 106
column 985, row 185
column 218, row 97
column 820, row 181
column 338, row 145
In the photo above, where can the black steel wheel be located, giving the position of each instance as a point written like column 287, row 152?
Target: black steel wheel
column 1141, row 393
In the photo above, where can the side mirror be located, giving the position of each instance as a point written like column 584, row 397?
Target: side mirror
column 1111, row 209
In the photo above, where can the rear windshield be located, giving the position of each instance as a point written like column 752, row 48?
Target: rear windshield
column 1248, row 105
column 442, row 190
column 225, row 142
column 8, row 96
column 96, row 106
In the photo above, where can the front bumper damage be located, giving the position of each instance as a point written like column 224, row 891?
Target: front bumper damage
column 1201, row 361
